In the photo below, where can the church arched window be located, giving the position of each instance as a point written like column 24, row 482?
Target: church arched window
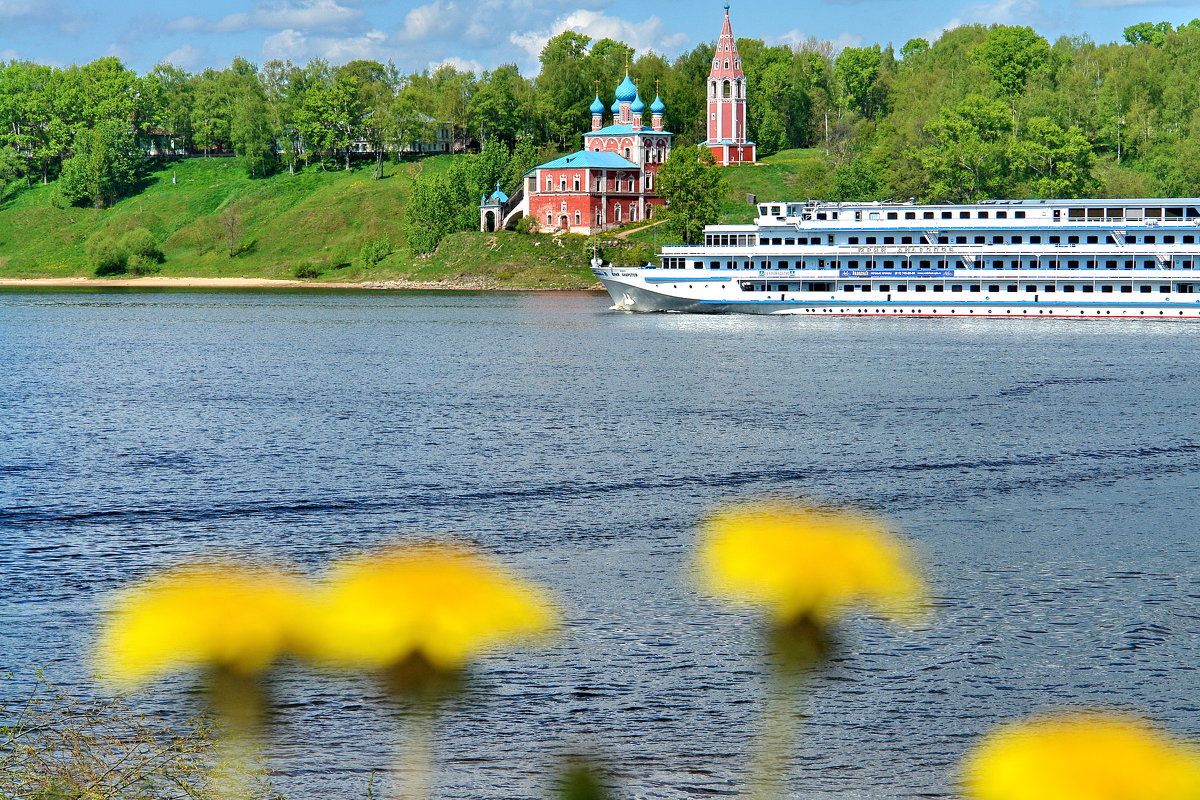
column 727, row 63
column 741, row 92
column 617, row 209
column 726, row 90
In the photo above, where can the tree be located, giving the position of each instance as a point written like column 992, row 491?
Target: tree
column 500, row 107
column 857, row 72
column 212, row 111
column 966, row 161
column 858, row 179
column 1058, row 163
column 914, row 47
column 251, row 135
column 104, row 166
column 565, row 85
column 230, row 230
column 331, row 115
column 692, row 186
column 1151, row 33
column 429, row 214
column 525, row 157
column 172, row 91
column 1010, row 54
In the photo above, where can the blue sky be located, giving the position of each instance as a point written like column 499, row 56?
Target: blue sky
column 482, row 34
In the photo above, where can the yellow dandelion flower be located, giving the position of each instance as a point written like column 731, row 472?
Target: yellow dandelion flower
column 804, row 564
column 225, row 617
column 440, row 603
column 1082, row 756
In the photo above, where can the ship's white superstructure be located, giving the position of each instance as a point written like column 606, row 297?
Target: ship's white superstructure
column 1051, row 258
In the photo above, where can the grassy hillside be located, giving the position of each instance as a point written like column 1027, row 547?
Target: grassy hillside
column 317, row 221
column 787, row 175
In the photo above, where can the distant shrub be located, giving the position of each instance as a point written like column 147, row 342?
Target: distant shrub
column 107, row 257
column 138, row 264
column 527, row 224
column 375, row 250
column 141, row 242
column 305, row 272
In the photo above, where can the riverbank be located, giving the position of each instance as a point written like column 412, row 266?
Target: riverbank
column 161, row 282
column 333, row 229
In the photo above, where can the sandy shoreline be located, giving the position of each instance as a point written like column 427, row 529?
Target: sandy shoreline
column 158, row 282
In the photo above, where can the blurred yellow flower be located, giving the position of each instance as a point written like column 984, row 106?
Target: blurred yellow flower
column 437, row 602
column 1082, row 756
column 225, row 617
column 805, row 564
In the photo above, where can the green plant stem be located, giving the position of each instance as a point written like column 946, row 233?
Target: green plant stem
column 414, row 755
column 773, row 748
column 237, row 702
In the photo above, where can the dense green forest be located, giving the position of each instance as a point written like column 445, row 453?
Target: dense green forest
column 981, row 112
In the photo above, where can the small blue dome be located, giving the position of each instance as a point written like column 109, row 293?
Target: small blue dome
column 638, row 106
column 626, row 92
column 658, row 106
column 616, row 107
column 597, row 105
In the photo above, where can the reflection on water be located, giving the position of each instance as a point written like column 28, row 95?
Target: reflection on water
column 1047, row 470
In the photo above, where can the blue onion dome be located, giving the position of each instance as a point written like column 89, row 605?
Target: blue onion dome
column 658, row 106
column 616, row 107
column 597, row 105
column 626, row 92
column 638, row 106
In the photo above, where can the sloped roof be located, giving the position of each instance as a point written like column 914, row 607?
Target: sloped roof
column 623, row 130
column 588, row 159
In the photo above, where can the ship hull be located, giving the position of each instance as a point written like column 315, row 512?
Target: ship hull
column 627, row 296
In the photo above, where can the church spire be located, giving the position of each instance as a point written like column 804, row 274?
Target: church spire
column 727, row 101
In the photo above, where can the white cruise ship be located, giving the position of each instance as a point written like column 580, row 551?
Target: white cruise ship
column 1050, row 258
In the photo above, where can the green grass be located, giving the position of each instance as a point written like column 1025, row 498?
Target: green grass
column 320, row 219
column 787, row 175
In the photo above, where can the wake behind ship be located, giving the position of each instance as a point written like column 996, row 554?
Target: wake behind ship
column 1050, row 258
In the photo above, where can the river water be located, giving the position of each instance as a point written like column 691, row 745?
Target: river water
column 1046, row 470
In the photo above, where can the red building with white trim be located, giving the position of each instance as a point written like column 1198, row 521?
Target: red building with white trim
column 727, row 103
column 612, row 180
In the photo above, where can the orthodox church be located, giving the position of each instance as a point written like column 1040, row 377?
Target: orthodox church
column 611, row 181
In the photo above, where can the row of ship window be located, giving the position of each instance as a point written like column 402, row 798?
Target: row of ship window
column 1077, row 213
column 994, row 288
column 749, row 240
column 1049, row 262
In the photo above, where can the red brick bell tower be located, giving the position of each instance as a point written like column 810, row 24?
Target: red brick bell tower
column 727, row 103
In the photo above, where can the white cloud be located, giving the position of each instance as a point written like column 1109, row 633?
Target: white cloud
column 186, row 57
column 311, row 15
column 433, row 21
column 13, row 9
column 1000, row 12
column 1117, row 3
column 31, row 13
column 650, row 34
column 797, row 38
column 9, row 55
column 460, row 64
column 297, row 46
